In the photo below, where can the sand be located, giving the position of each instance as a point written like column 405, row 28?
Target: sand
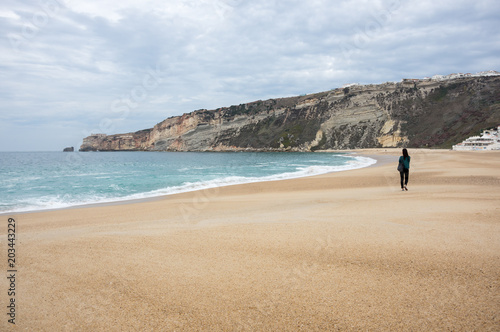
column 342, row 251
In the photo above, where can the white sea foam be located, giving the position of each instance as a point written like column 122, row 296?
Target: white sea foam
column 65, row 201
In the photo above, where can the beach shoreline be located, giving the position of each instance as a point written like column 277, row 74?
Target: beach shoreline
column 338, row 251
column 126, row 200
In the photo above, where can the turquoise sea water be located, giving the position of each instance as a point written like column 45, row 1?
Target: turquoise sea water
column 48, row 180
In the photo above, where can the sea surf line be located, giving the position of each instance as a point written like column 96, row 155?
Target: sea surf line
column 46, row 180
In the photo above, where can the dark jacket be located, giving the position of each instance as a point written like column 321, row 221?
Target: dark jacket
column 406, row 162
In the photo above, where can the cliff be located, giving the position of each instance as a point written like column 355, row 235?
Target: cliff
column 411, row 113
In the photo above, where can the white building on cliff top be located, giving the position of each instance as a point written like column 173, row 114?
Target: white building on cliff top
column 460, row 75
column 489, row 140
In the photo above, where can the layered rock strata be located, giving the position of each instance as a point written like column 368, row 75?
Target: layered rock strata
column 411, row 113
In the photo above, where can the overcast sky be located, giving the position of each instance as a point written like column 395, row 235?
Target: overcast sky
column 70, row 68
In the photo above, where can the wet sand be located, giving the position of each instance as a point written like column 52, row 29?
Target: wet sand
column 340, row 251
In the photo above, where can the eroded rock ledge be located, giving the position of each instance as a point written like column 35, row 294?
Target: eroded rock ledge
column 412, row 113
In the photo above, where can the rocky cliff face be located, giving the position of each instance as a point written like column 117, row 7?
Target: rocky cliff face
column 412, row 113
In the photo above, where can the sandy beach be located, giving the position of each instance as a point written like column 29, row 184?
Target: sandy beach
column 346, row 251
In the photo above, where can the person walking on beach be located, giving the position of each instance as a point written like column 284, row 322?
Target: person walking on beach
column 404, row 169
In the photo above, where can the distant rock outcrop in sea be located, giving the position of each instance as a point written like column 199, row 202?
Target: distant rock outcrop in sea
column 70, row 149
column 431, row 112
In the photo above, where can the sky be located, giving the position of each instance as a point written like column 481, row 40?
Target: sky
column 70, row 68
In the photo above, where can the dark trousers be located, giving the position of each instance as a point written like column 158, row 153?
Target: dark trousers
column 405, row 174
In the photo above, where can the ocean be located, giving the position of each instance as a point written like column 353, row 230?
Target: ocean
column 32, row 181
